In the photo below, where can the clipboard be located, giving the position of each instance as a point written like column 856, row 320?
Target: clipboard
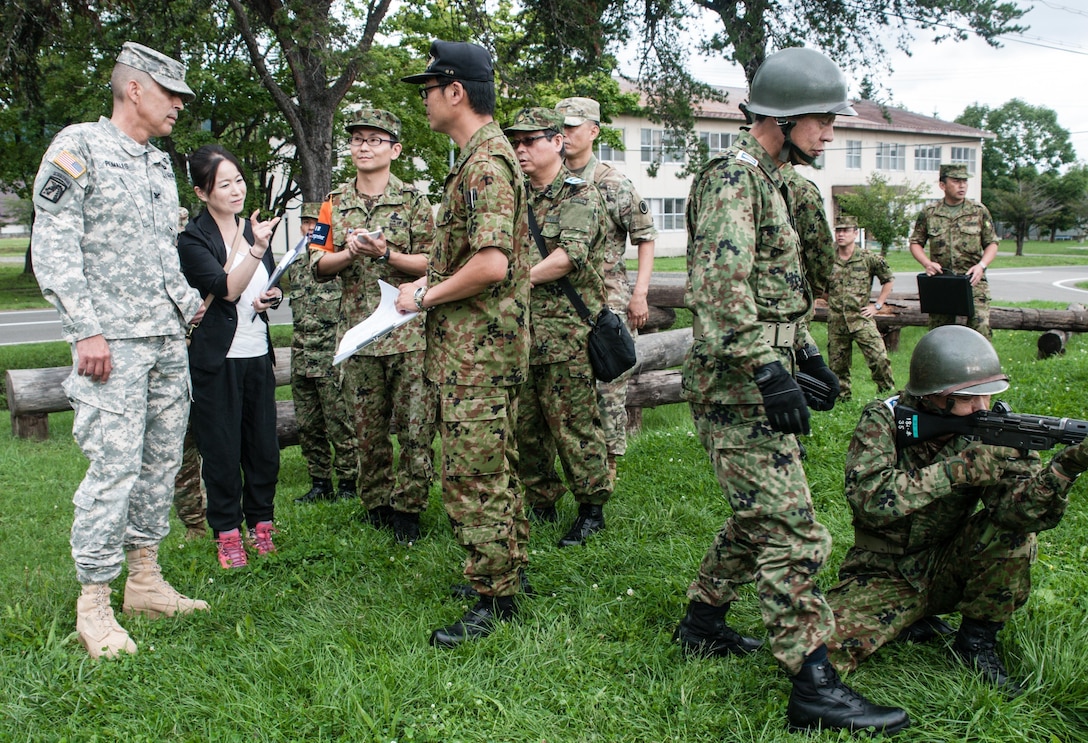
column 946, row 294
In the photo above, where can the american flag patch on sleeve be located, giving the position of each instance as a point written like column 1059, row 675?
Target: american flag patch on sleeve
column 69, row 163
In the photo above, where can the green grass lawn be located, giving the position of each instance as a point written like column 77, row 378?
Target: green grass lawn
column 327, row 640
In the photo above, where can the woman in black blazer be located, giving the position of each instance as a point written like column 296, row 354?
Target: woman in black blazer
column 230, row 357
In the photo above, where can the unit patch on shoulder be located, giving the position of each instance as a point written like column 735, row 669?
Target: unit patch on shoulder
column 55, row 187
column 69, row 163
column 747, row 159
column 573, row 180
column 642, row 207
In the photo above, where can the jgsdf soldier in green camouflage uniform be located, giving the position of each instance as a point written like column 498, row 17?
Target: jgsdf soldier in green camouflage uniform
column 384, row 379
column 850, row 314
column 558, row 410
column 746, row 289
column 326, row 430
column 476, row 295
column 961, row 239
column 190, row 500
column 106, row 210
column 922, row 546
column 628, row 216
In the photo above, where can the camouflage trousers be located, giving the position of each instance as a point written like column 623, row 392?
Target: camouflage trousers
column 612, row 396
column 981, row 320
column 984, row 573
column 190, row 501
column 130, row 428
column 557, row 413
column 325, row 425
column 480, row 487
column 383, row 388
column 772, row 538
column 840, row 355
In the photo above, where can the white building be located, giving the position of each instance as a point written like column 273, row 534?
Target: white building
column 906, row 148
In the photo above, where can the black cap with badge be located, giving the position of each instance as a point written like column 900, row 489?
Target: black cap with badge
column 458, row 60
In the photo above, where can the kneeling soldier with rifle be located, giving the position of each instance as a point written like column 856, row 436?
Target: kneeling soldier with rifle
column 918, row 468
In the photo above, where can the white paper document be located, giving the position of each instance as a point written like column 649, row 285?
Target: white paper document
column 380, row 323
column 288, row 258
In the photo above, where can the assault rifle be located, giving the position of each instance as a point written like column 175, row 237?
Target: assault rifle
column 998, row 427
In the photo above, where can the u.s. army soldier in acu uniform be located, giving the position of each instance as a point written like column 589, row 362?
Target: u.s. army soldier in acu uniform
column 850, row 314
column 746, row 289
column 558, row 407
column 106, row 208
column 385, row 379
column 922, row 545
column 961, row 239
column 326, row 424
column 476, row 296
column 628, row 217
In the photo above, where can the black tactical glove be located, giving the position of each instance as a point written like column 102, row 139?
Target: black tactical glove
column 783, row 399
column 1072, row 460
column 821, row 394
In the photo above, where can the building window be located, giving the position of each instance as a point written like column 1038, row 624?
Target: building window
column 668, row 214
column 607, row 154
column 927, row 158
column 964, row 156
column 656, row 145
column 891, row 156
column 717, row 142
column 853, row 154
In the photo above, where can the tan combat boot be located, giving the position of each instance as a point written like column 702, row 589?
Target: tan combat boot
column 148, row 593
column 97, row 627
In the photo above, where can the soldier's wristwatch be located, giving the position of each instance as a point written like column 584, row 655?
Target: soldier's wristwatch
column 420, row 293
column 878, row 305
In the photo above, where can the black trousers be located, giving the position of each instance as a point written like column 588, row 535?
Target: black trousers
column 234, row 421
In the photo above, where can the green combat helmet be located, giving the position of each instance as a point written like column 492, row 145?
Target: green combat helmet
column 796, row 82
column 955, row 360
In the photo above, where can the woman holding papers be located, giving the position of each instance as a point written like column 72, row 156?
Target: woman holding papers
column 228, row 261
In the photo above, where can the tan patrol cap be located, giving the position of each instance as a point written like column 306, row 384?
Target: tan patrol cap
column 577, row 111
column 166, row 71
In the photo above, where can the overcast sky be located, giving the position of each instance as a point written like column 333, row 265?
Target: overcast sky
column 1047, row 65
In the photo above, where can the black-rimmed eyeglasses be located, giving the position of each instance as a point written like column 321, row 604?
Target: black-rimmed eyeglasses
column 428, row 88
column 373, row 140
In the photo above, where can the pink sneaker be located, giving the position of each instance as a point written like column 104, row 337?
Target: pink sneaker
column 231, row 552
column 260, row 536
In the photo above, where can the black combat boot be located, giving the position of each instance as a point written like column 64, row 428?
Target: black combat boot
column 590, row 521
column 320, row 490
column 345, row 491
column 925, row 629
column 544, row 514
column 466, row 591
column 480, row 621
column 821, row 701
column 976, row 646
column 703, row 631
column 405, row 527
column 380, row 517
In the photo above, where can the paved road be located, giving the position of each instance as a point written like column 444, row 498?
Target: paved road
column 1006, row 285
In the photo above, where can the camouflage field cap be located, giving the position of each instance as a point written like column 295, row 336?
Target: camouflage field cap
column 535, row 120
column 167, row 72
column 577, row 111
column 375, row 118
column 846, row 222
column 458, row 60
column 311, row 210
column 954, row 170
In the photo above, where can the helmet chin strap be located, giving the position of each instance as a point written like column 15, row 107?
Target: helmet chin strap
column 791, row 153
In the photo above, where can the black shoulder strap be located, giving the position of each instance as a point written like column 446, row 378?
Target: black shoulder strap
column 564, row 283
